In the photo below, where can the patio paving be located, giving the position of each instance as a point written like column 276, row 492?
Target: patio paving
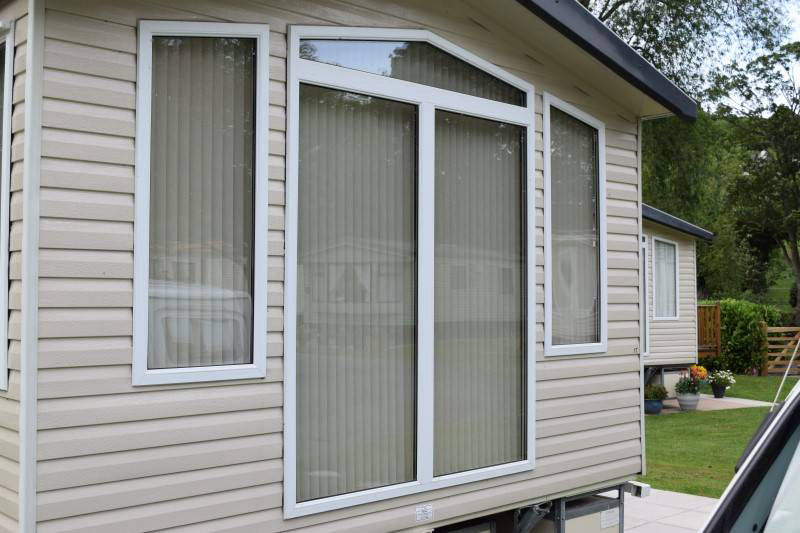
column 709, row 403
column 666, row 512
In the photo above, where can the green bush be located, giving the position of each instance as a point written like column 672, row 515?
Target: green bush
column 742, row 337
column 655, row 392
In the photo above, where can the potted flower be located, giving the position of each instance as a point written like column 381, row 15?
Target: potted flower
column 688, row 387
column 720, row 381
column 654, row 396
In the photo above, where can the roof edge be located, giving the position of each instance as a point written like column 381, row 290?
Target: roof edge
column 577, row 24
column 665, row 219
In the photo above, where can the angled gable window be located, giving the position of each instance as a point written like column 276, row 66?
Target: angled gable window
column 576, row 320
column 409, row 260
column 6, row 89
column 200, row 253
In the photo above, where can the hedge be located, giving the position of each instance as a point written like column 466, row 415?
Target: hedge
column 743, row 338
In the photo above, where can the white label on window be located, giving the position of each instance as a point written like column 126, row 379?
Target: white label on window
column 425, row 513
column 609, row 518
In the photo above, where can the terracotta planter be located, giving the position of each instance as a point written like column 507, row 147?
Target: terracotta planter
column 653, row 407
column 719, row 390
column 688, row 401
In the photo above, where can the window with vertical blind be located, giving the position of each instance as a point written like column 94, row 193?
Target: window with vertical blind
column 6, row 89
column 409, row 268
column 200, row 252
column 665, row 279
column 575, row 237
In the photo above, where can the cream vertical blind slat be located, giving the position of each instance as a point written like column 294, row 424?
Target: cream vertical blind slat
column 665, row 272
column 479, row 375
column 574, row 230
column 356, row 296
column 201, row 202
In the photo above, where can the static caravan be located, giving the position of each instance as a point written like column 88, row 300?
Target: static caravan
column 669, row 300
column 326, row 266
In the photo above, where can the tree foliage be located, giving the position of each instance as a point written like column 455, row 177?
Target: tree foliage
column 693, row 41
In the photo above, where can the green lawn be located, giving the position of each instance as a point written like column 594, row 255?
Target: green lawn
column 778, row 293
column 695, row 452
column 757, row 387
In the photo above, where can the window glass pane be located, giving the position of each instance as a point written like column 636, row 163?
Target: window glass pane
column 575, row 230
column 666, row 304
column 415, row 61
column 201, row 202
column 479, row 294
column 356, row 293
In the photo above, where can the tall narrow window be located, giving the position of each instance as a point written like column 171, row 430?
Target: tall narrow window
column 644, row 300
column 665, row 277
column 201, row 296
column 409, row 268
column 575, row 261
column 479, row 325
column 6, row 88
column 356, row 298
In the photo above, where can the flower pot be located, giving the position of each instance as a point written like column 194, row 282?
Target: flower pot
column 688, row 401
column 719, row 390
column 653, row 407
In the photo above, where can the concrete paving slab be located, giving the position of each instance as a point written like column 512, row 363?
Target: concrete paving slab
column 666, row 512
column 709, row 403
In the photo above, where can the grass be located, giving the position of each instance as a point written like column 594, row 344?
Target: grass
column 778, row 292
column 695, row 452
column 757, row 387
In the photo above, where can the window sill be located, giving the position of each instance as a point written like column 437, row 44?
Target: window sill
column 575, row 349
column 201, row 374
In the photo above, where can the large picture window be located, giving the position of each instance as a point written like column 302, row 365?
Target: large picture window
column 6, row 89
column 575, row 237
column 409, row 269
column 200, row 203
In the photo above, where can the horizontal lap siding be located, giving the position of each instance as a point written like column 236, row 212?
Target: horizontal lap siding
column 674, row 341
column 9, row 401
column 209, row 457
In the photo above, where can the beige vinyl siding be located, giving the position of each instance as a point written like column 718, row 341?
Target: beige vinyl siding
column 9, row 400
column 208, row 457
column 673, row 342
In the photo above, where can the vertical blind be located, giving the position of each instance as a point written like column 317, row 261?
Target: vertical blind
column 574, row 229
column 201, row 202
column 478, row 296
column 665, row 272
column 356, row 296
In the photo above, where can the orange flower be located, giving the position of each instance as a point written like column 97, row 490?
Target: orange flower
column 698, row 372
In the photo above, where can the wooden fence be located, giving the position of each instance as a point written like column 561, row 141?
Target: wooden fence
column 708, row 330
column 781, row 342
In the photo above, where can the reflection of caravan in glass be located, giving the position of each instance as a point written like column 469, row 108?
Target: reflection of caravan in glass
column 200, row 312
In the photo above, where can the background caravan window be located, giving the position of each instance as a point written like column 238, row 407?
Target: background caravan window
column 201, row 218
column 665, row 278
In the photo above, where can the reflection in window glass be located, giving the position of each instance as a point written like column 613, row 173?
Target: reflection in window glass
column 356, row 298
column 479, row 294
column 415, row 61
column 575, row 230
column 201, row 202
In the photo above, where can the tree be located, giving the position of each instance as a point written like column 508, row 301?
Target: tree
column 765, row 200
column 691, row 41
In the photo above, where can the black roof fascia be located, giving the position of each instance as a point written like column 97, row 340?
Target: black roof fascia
column 665, row 219
column 578, row 25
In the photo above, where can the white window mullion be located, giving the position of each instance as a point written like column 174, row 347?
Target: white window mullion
column 425, row 289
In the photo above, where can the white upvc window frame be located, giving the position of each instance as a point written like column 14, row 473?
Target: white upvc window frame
column 7, row 36
column 644, row 264
column 551, row 350
column 677, row 281
column 141, row 278
column 428, row 99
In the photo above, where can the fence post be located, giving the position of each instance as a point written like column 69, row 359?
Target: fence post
column 765, row 352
